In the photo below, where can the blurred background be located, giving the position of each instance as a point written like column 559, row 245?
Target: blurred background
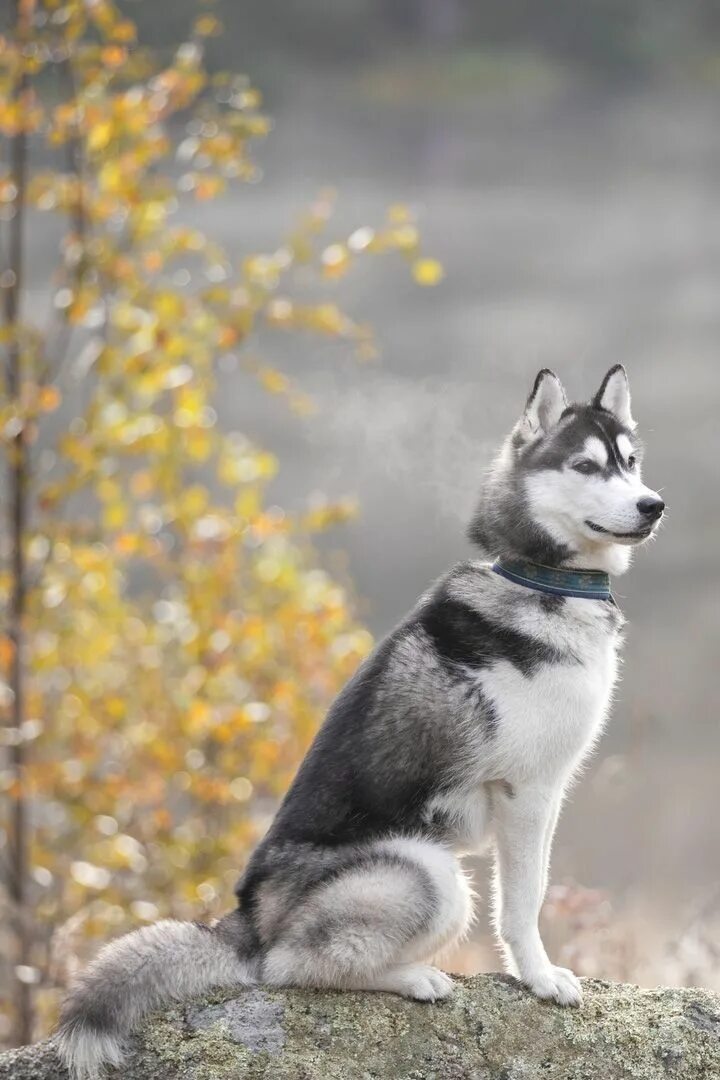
column 517, row 186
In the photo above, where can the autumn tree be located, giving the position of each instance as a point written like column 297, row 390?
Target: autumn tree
column 169, row 641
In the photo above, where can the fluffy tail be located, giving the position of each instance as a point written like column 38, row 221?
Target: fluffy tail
column 140, row 972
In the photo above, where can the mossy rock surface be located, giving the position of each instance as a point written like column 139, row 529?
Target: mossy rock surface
column 490, row 1029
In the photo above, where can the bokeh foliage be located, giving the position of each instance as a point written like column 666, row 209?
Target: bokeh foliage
column 179, row 639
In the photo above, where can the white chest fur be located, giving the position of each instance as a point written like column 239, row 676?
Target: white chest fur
column 548, row 719
column 547, row 716
column 547, row 713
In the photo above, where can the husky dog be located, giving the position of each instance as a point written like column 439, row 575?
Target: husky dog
column 463, row 729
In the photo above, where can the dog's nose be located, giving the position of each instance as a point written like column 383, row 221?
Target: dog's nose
column 651, row 506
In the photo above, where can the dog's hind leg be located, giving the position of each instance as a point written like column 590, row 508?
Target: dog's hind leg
column 376, row 923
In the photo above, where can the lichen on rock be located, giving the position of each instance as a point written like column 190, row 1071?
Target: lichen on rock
column 490, row 1029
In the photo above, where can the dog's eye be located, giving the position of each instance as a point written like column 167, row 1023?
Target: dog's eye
column 586, row 467
column 631, row 461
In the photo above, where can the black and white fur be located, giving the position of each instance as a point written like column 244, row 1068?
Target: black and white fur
column 462, row 730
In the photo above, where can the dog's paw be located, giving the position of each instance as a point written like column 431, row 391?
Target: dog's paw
column 556, row 984
column 422, row 982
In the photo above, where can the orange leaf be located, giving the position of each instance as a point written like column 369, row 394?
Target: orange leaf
column 113, row 55
column 124, row 31
column 49, row 398
column 7, row 651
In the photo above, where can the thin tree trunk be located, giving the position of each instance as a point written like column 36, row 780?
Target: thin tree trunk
column 18, row 481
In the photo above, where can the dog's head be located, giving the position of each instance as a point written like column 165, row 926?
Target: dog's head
column 567, row 487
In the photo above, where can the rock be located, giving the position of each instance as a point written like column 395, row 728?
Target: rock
column 490, row 1029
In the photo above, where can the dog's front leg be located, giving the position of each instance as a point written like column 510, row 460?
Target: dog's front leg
column 547, row 846
column 522, row 823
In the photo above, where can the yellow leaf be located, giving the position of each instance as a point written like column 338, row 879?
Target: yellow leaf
column 115, row 707
column 198, row 715
column 399, row 214
column 190, row 404
column 207, row 26
column 110, row 178
column 404, row 238
column 168, row 305
column 427, row 271
column 193, row 501
column 99, row 136
column 251, row 99
column 198, row 445
column 273, row 381
column 114, row 516
column 247, row 504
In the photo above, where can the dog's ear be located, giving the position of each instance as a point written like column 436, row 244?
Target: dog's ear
column 544, row 407
column 614, row 396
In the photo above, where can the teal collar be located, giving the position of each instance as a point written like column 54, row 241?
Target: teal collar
column 587, row 584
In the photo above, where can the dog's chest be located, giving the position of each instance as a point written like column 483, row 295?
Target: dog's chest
column 549, row 714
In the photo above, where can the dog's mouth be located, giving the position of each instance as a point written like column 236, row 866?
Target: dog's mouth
column 641, row 534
